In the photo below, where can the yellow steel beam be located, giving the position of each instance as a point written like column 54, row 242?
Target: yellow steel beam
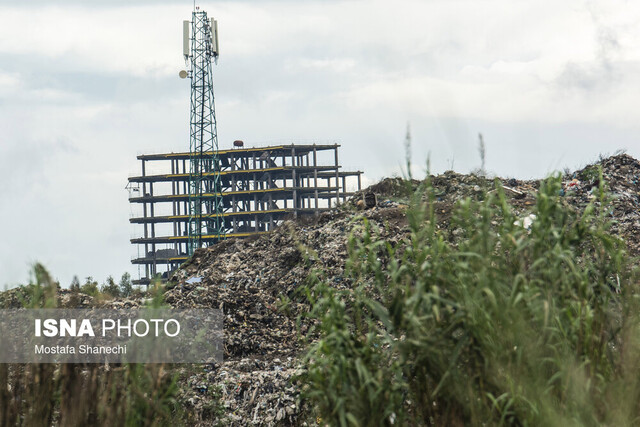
column 227, row 172
column 213, row 236
column 231, row 214
column 232, row 193
column 236, row 150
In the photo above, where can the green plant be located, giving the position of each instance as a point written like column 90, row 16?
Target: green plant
column 84, row 394
column 589, row 174
column 485, row 322
column 110, row 288
column 125, row 285
column 156, row 292
column 90, row 287
column 75, row 284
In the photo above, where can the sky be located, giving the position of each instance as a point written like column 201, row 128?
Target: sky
column 87, row 86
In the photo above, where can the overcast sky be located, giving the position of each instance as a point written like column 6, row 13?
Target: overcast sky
column 86, row 86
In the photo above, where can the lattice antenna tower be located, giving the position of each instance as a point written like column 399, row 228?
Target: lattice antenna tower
column 200, row 47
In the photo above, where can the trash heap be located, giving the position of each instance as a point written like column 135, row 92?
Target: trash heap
column 621, row 175
column 256, row 282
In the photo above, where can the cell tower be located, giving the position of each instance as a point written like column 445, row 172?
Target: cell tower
column 200, row 46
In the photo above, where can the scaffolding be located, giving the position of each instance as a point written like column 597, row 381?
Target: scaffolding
column 259, row 188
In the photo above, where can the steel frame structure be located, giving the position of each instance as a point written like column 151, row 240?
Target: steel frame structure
column 260, row 187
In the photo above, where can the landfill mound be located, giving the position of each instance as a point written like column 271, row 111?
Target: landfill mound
column 255, row 281
column 621, row 174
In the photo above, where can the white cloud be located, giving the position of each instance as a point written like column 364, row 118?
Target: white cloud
column 333, row 65
column 134, row 40
column 9, row 83
column 541, row 80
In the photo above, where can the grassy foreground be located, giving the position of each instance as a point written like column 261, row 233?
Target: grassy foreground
column 43, row 394
column 489, row 321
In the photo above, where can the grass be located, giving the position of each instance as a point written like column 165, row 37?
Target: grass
column 85, row 394
column 494, row 324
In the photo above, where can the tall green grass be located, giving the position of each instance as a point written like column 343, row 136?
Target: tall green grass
column 41, row 394
column 484, row 322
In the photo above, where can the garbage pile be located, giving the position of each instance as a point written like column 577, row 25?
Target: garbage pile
column 256, row 282
column 621, row 175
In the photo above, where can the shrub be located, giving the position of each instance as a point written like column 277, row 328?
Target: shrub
column 491, row 324
column 126, row 287
column 90, row 287
column 110, row 288
column 75, row 284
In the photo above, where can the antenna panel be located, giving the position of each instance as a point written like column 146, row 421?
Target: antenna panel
column 185, row 37
column 214, row 37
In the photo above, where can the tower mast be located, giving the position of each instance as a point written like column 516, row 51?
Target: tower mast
column 205, row 198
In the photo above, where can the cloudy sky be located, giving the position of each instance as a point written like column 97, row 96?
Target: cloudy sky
column 86, row 86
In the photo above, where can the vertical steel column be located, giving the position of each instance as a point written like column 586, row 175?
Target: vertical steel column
column 153, row 230
column 175, row 203
column 144, row 214
column 294, row 183
column 335, row 149
column 315, row 176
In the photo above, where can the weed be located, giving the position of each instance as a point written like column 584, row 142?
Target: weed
column 499, row 324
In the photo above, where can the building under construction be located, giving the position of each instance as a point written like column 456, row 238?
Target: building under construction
column 260, row 187
column 194, row 199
